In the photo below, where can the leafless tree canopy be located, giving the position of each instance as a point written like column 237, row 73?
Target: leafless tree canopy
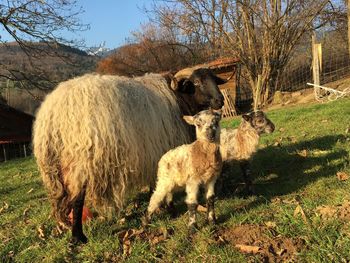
column 262, row 33
column 151, row 49
column 30, row 21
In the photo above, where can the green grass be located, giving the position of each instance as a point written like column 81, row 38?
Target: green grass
column 283, row 178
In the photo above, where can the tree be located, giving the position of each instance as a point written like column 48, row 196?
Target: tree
column 150, row 49
column 261, row 33
column 29, row 21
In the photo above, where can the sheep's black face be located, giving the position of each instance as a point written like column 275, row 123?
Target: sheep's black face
column 203, row 85
column 259, row 122
column 207, row 124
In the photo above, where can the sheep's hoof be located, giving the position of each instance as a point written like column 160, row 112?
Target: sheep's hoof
column 79, row 239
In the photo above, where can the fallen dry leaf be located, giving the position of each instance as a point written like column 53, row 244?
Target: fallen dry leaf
column 122, row 220
column 4, row 207
column 201, row 208
column 25, row 212
column 347, row 130
column 270, row 224
column 326, row 212
column 282, row 129
column 31, row 190
column 41, row 232
column 299, row 211
column 248, row 249
column 303, row 153
column 342, row 176
column 324, row 121
column 281, row 252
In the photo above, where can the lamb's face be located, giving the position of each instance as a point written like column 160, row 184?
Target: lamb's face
column 259, row 121
column 207, row 124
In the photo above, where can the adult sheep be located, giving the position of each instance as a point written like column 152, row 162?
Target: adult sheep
column 100, row 137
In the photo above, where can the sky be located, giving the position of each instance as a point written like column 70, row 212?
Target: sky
column 111, row 20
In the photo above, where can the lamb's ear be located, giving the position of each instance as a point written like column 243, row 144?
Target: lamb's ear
column 189, row 119
column 246, row 117
column 218, row 112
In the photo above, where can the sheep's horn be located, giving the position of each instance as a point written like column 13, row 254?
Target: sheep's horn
column 180, row 75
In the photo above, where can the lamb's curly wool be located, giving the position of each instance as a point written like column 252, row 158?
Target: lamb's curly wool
column 92, row 132
column 239, row 144
column 190, row 165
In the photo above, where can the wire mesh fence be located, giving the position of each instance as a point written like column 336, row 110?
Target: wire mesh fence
column 334, row 66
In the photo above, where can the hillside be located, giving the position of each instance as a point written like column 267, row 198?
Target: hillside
column 45, row 68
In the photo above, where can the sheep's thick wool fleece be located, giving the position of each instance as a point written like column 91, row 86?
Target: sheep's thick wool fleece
column 105, row 133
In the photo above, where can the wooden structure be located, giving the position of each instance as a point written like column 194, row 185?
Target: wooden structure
column 15, row 133
column 227, row 68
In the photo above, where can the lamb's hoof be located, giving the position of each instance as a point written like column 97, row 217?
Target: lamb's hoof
column 145, row 220
column 211, row 221
column 171, row 210
column 250, row 190
column 79, row 239
column 192, row 229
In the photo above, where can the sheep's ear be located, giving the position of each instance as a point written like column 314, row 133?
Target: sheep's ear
column 246, row 117
column 189, row 119
column 183, row 86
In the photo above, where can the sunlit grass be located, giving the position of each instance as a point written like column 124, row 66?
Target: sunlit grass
column 300, row 169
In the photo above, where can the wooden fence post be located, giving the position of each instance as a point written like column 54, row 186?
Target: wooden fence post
column 4, row 150
column 25, row 149
column 257, row 93
column 316, row 60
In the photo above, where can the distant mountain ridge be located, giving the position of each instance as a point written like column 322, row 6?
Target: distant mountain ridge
column 58, row 62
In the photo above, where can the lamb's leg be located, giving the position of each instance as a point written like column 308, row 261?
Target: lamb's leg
column 170, row 204
column 77, row 226
column 210, row 196
column 156, row 200
column 192, row 203
column 245, row 167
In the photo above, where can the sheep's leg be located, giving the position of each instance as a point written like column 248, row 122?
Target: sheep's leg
column 210, row 196
column 77, row 226
column 245, row 167
column 192, row 203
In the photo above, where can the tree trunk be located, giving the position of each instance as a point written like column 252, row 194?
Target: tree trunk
column 348, row 9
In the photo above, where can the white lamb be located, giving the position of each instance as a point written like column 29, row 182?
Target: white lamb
column 190, row 165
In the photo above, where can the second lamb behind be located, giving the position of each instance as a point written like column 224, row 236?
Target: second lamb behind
column 191, row 165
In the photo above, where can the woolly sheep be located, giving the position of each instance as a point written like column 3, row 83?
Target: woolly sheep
column 100, row 138
column 240, row 144
column 190, row 165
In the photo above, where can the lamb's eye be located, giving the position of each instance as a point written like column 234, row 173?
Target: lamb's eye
column 197, row 83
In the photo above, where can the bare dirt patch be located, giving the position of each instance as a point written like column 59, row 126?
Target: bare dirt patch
column 262, row 242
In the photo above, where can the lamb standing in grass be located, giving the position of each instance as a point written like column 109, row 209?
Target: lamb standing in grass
column 190, row 165
column 240, row 144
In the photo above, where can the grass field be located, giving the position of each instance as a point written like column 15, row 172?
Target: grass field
column 300, row 211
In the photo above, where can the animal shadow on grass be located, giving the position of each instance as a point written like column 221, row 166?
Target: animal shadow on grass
column 281, row 170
